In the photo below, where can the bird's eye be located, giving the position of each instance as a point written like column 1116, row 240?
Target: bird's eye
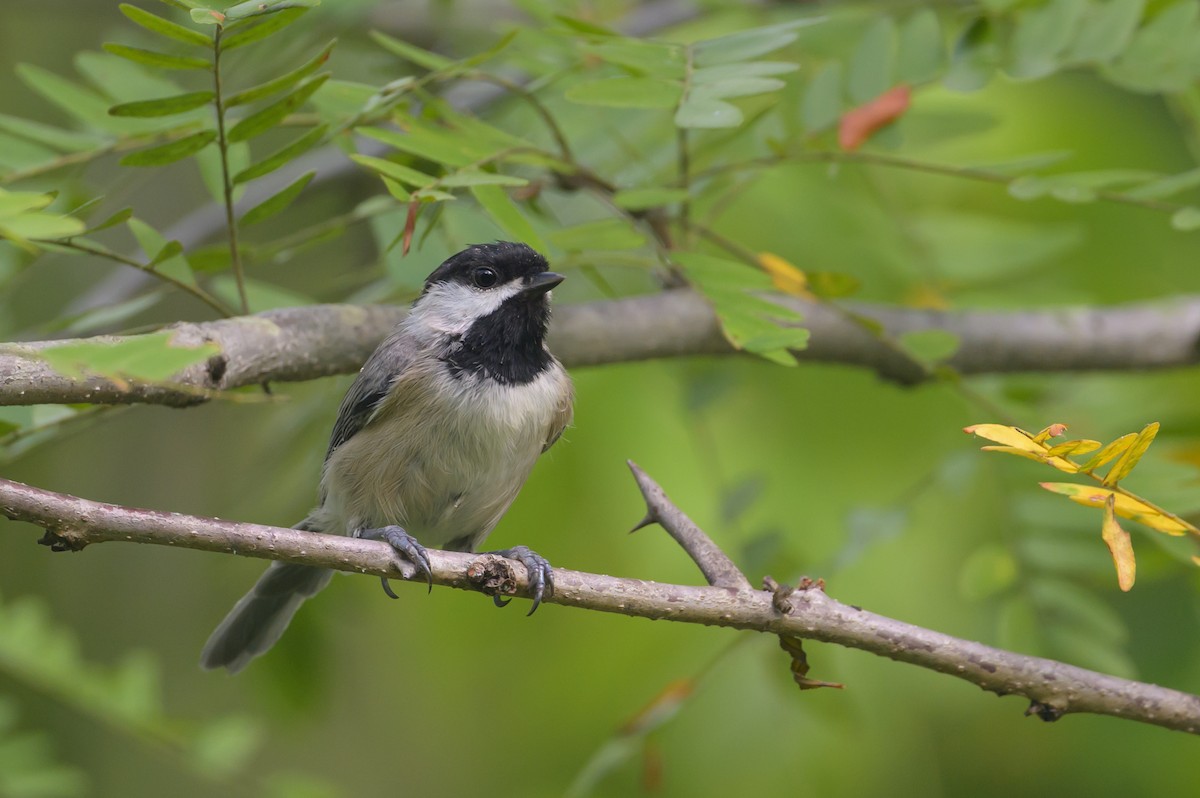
column 485, row 277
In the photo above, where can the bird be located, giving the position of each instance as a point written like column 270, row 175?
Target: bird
column 434, row 438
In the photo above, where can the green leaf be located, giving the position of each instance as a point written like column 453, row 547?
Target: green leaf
column 626, row 93
column 735, row 87
column 1165, row 187
column 1186, row 219
column 987, row 572
column 32, row 225
column 650, row 59
column 748, row 321
column 1160, row 57
column 155, row 59
column 273, row 205
column 165, row 256
column 283, row 81
column 441, row 147
column 752, row 69
column 279, row 19
column 398, row 172
column 58, row 138
column 171, row 151
column 640, row 199
column 172, row 249
column 81, row 103
column 410, row 52
column 1106, row 30
column 1040, row 37
column 603, row 234
column 163, row 106
column 474, row 177
column 922, row 51
column 706, row 113
column 507, row 215
column 261, row 296
column 266, row 118
column 164, row 27
column 822, row 105
column 224, row 746
column 150, row 358
column 975, row 56
column 870, row 70
column 258, row 8
column 14, row 202
column 112, row 221
column 584, row 26
column 747, row 44
column 283, row 155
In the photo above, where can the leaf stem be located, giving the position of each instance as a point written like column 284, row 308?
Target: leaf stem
column 226, row 177
column 104, row 252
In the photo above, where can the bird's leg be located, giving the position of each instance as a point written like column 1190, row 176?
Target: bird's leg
column 406, row 546
column 541, row 575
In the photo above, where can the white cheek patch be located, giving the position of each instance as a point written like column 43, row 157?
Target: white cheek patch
column 451, row 308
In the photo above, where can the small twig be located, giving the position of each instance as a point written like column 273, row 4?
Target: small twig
column 102, row 252
column 716, row 566
column 1053, row 688
column 235, row 253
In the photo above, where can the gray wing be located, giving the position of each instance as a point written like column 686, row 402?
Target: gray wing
column 369, row 389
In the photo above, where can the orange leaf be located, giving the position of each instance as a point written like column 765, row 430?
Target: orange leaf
column 1117, row 540
column 859, row 123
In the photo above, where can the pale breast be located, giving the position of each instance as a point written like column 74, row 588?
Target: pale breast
column 442, row 457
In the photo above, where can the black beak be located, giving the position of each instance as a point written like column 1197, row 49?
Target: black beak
column 541, row 283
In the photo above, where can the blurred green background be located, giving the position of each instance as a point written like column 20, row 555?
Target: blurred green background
column 818, row 470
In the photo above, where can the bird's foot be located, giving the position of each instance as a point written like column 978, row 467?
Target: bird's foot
column 541, row 575
column 406, row 546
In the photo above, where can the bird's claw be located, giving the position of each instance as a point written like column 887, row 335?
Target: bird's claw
column 541, row 575
column 407, row 547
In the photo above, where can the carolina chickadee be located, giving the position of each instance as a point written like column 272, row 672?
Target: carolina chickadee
column 435, row 437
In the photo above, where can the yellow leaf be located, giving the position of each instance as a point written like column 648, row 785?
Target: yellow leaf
column 1125, row 506
column 926, row 297
column 1132, row 455
column 1196, row 559
column 1017, row 441
column 1009, row 436
column 1109, row 452
column 1117, row 540
column 1081, row 446
column 786, row 277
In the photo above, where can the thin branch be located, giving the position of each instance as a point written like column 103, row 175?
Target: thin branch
column 1053, row 688
column 235, row 253
column 104, row 252
column 304, row 343
column 718, row 569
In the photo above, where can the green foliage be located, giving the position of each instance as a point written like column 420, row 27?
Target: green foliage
column 635, row 162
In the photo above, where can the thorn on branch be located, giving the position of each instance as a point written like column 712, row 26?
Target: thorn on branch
column 714, row 563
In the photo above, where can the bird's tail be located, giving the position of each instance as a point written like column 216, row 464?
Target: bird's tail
column 258, row 620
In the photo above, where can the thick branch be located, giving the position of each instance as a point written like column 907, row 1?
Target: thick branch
column 309, row 342
column 1053, row 687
